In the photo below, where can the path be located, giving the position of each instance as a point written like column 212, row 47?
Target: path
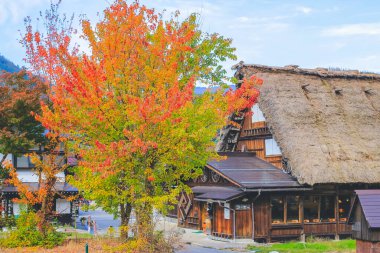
column 194, row 241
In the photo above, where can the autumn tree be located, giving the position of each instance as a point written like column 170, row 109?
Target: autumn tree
column 48, row 164
column 20, row 96
column 128, row 104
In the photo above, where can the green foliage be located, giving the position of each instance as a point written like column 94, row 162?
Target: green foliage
column 20, row 96
column 7, row 221
column 309, row 247
column 27, row 234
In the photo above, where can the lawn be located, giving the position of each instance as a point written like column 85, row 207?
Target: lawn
column 343, row 246
column 95, row 245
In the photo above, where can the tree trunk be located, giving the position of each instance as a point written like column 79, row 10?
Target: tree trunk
column 3, row 159
column 144, row 222
column 46, row 207
column 125, row 215
column 4, row 172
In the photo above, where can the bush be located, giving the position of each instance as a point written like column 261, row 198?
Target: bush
column 27, row 234
column 7, row 221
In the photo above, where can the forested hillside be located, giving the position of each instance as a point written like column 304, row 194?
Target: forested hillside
column 7, row 65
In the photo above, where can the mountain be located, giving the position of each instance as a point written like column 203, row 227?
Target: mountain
column 7, row 65
column 200, row 90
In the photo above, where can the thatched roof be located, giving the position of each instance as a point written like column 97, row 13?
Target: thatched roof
column 327, row 123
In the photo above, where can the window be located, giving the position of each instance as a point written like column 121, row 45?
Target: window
column 277, row 204
column 310, row 209
column 328, row 208
column 242, row 207
column 292, row 210
column 24, row 162
column 226, row 211
column 257, row 115
column 344, row 207
column 285, row 209
column 319, row 209
column 271, row 147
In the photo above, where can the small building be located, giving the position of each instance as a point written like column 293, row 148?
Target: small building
column 292, row 167
column 64, row 209
column 365, row 219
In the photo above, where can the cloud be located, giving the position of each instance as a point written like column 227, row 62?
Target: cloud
column 265, row 27
column 266, row 23
column 303, row 9
column 265, row 19
column 14, row 11
column 353, row 30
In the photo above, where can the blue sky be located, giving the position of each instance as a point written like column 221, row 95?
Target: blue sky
column 310, row 34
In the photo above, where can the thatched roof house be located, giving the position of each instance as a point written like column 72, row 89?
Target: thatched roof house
column 327, row 123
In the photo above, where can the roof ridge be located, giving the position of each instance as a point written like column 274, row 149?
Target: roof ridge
column 321, row 72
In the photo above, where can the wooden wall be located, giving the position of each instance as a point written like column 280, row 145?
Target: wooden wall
column 367, row 247
column 222, row 227
column 194, row 217
column 361, row 229
column 264, row 229
column 256, row 144
column 225, row 227
column 261, row 212
column 243, row 223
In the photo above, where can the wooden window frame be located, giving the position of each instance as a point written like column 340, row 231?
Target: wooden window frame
column 285, row 203
column 286, row 210
column 337, row 207
column 319, row 211
column 319, row 215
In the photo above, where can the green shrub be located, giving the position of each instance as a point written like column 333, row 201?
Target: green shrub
column 7, row 221
column 27, row 234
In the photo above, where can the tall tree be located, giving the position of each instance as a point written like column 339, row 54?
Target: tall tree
column 128, row 105
column 20, row 96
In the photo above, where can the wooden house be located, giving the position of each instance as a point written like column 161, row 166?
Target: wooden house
column 365, row 217
column 292, row 167
column 64, row 209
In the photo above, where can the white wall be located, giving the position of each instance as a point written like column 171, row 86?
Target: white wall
column 62, row 206
column 9, row 157
column 61, row 177
column 27, row 175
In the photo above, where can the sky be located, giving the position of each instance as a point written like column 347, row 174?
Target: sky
column 323, row 33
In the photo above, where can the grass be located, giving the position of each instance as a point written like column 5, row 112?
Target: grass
column 96, row 245
column 343, row 246
column 73, row 235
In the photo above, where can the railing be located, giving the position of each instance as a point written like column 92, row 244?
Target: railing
column 253, row 132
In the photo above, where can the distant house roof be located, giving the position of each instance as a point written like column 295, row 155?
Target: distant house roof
column 247, row 171
column 327, row 123
column 370, row 203
column 33, row 186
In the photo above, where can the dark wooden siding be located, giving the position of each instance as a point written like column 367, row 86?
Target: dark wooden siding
column 244, row 223
column 222, row 227
column 360, row 227
column 264, row 229
column 193, row 218
column 367, row 247
column 257, row 143
column 261, row 212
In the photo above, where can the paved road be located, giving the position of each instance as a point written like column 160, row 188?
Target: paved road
column 198, row 249
column 103, row 220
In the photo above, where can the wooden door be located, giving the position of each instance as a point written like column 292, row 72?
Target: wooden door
column 244, row 223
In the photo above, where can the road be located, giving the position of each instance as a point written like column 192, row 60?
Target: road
column 198, row 249
column 105, row 220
